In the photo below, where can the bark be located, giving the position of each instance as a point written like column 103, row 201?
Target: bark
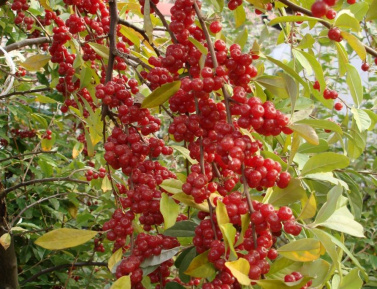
column 8, row 260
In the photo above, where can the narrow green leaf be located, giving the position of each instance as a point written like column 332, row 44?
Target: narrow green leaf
column 352, row 280
column 330, row 206
column 322, row 123
column 198, row 45
column 159, row 259
column 185, row 153
column 200, row 267
column 239, row 15
column 372, row 12
column 183, row 261
column 242, row 37
column 148, row 26
column 274, row 284
column 356, row 44
column 362, row 119
column 305, row 131
column 172, row 186
column 346, row 19
column 161, row 94
column 181, row 229
column 359, row 10
column 283, row 19
column 304, row 250
column 342, row 59
column 100, row 49
column 289, row 195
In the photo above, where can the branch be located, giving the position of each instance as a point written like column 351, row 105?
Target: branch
column 163, row 20
column 26, row 42
column 27, row 154
column 63, row 266
column 302, row 10
column 141, row 31
column 25, row 92
column 249, row 204
column 38, row 181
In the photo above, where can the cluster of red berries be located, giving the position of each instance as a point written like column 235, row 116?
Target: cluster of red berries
column 147, row 246
column 47, row 135
column 3, row 142
column 329, row 94
column 335, row 34
column 295, row 276
column 98, row 246
column 90, row 175
column 23, row 133
column 19, row 6
column 268, row 7
column 119, row 227
column 21, row 72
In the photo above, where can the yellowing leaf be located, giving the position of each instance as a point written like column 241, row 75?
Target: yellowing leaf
column 115, row 258
column 169, row 210
column 72, row 210
column 307, row 132
column 122, row 283
column 304, row 250
column 240, row 270
column 100, row 49
column 200, row 267
column 279, row 284
column 106, row 184
column 47, row 144
column 161, row 94
column 221, row 214
column 36, row 62
column 189, row 201
column 172, row 186
column 309, row 209
column 5, row 240
column 77, row 149
column 345, row 18
column 45, row 4
column 131, row 34
column 185, row 153
column 64, row 238
column 356, row 44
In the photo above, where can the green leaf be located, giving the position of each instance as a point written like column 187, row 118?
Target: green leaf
column 229, row 236
column 36, row 62
column 239, row 15
column 172, row 186
column 283, row 19
column 169, row 210
column 319, row 270
column 245, row 222
column 122, row 283
column 271, row 155
column 343, row 221
column 308, row 148
column 305, row 131
column 356, row 44
column 372, row 12
column 304, row 250
column 324, row 124
column 85, row 77
column 325, row 162
column 159, row 259
column 352, row 280
column 354, row 83
column 198, row 45
column 242, row 37
column 64, row 238
column 289, row 195
column 274, row 84
column 131, row 34
column 200, row 267
column 327, row 177
column 317, row 68
column 148, row 26
column 100, row 49
column 359, row 10
column 356, row 141
column 181, row 229
column 289, row 70
column 346, row 19
column 44, row 99
column 161, row 94
column 330, row 206
column 342, row 59
column 362, row 119
column 309, row 208
column 189, row 201
column 240, row 270
column 174, row 285
column 185, row 153
column 183, row 261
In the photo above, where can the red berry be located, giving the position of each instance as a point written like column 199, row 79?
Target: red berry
column 319, row 9
column 351, row 2
column 330, row 2
column 285, row 213
column 289, row 278
column 365, row 66
column 215, row 27
column 338, row 106
column 316, row 85
column 335, row 34
column 331, row 14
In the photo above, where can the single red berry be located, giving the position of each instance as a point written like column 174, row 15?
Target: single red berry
column 330, row 14
column 258, row 12
column 335, row 34
column 319, row 9
column 365, row 66
column 375, row 61
column 285, row 213
column 351, row 2
column 289, row 278
column 215, row 27
column 338, row 106
column 330, row 2
column 316, row 85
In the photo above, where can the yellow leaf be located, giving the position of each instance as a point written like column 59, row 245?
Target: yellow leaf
column 47, row 144
column 221, row 214
column 64, row 238
column 169, row 210
column 36, row 62
column 72, row 210
column 77, row 149
column 240, row 270
column 115, row 258
column 307, row 132
column 200, row 267
column 45, row 4
column 122, row 283
column 356, row 44
column 5, row 240
column 304, row 250
column 309, row 208
column 106, row 184
column 189, row 201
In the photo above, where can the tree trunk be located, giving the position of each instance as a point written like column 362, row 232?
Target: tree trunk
column 8, row 260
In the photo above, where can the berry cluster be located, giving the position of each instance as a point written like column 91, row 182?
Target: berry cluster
column 47, row 135
column 295, row 276
column 19, row 6
column 23, row 133
column 90, row 175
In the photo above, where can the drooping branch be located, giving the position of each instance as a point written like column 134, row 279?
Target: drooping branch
column 27, row 154
column 25, row 42
column 25, row 92
column 63, row 266
column 142, row 32
column 39, row 181
column 304, row 11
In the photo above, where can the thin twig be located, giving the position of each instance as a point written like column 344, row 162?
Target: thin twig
column 27, row 154
column 25, row 92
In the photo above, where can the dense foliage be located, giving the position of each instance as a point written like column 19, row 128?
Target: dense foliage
column 220, row 145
